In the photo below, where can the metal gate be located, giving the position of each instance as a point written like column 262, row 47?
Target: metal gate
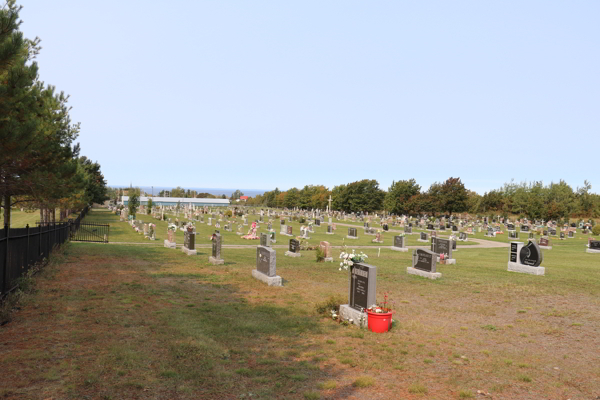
column 90, row 232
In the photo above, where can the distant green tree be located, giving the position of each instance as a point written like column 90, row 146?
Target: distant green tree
column 454, row 196
column 133, row 204
column 150, row 203
column 205, row 196
column 236, row 195
column 178, row 192
column 397, row 199
column 291, row 198
column 360, row 196
column 535, row 208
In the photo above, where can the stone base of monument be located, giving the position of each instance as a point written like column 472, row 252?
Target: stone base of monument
column 244, row 224
column 372, row 234
column 170, row 245
column 292, row 254
column 328, row 259
column 329, row 233
column 447, row 261
column 286, row 234
column 239, row 233
column 423, row 241
column 430, row 275
column 376, row 241
column 526, row 269
column 188, row 251
column 588, row 250
column 546, row 247
column 351, row 237
column 216, row 261
column 350, row 314
column 269, row 280
column 404, row 249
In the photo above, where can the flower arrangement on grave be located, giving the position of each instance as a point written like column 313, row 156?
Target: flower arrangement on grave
column 379, row 316
column 443, row 258
column 384, row 307
column 349, row 259
column 172, row 227
column 402, row 235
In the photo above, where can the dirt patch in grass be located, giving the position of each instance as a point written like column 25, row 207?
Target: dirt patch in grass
column 125, row 322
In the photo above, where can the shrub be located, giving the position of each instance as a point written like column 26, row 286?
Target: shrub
column 228, row 213
column 417, row 388
column 332, row 303
column 596, row 230
column 363, row 382
column 320, row 254
column 301, row 220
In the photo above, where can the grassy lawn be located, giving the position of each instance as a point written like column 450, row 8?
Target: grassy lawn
column 19, row 219
column 112, row 322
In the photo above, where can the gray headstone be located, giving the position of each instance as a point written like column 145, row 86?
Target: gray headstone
column 399, row 241
column 189, row 240
column 216, row 246
column 266, row 260
column 439, row 246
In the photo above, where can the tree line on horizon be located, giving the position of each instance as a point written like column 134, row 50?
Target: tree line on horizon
column 40, row 165
column 533, row 200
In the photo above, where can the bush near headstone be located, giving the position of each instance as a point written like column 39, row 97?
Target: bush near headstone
column 596, row 230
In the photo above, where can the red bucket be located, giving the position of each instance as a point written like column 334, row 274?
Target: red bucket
column 379, row 322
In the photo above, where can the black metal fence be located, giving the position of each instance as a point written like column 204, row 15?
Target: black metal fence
column 21, row 248
column 90, row 232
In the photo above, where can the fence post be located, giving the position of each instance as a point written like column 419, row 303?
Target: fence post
column 5, row 272
column 40, row 241
column 28, row 255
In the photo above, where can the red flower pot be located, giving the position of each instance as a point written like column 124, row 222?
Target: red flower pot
column 379, row 322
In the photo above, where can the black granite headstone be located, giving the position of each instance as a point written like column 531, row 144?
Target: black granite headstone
column 363, row 281
column 531, row 254
column 424, row 260
column 294, row 246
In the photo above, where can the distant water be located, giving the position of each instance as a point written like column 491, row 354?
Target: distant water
column 213, row 191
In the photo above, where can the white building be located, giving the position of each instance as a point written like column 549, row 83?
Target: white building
column 183, row 202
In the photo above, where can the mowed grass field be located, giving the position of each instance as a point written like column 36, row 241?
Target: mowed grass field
column 20, row 219
column 120, row 321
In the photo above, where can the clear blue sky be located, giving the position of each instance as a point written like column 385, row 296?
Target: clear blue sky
column 259, row 94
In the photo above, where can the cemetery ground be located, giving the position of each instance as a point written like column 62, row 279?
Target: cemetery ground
column 122, row 232
column 118, row 321
column 20, row 219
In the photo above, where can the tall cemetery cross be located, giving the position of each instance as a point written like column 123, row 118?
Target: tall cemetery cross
column 329, row 203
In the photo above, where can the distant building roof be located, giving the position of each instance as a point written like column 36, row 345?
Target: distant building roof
column 182, row 200
column 243, row 197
